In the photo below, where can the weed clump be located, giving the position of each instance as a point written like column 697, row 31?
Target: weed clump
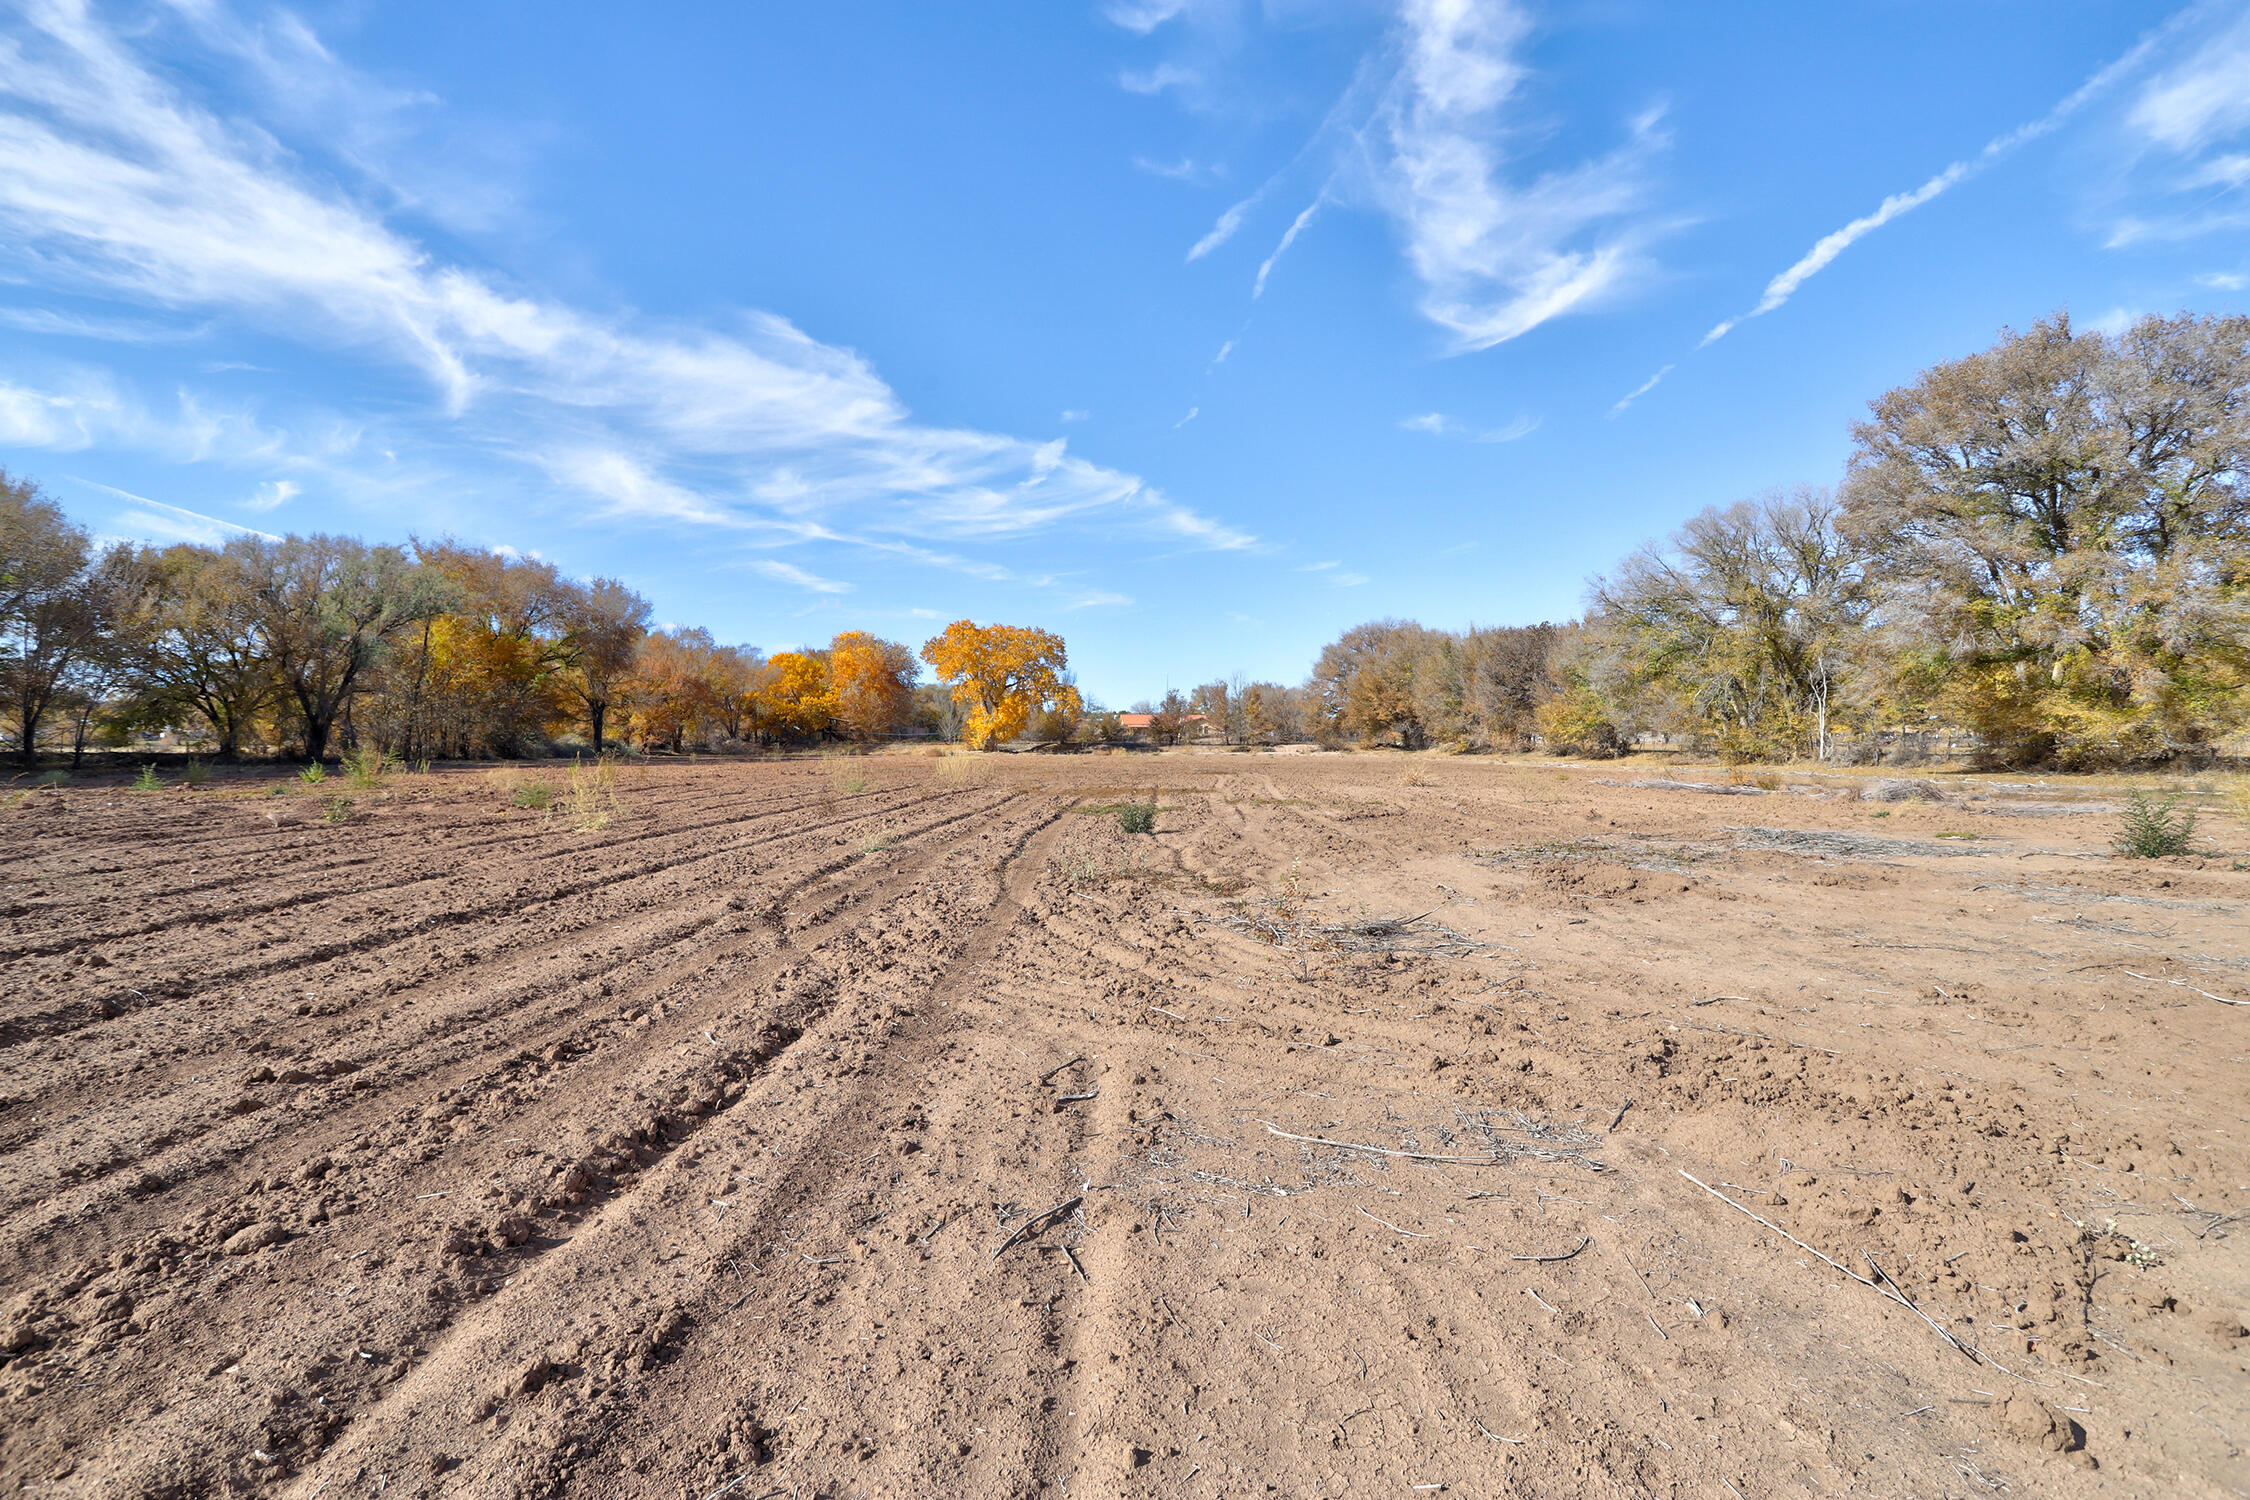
column 590, row 800
column 1137, row 817
column 535, row 795
column 197, row 773
column 2154, row 826
column 335, row 808
column 312, row 775
column 148, row 780
column 849, row 780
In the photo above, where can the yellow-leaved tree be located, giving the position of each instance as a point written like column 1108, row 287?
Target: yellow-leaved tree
column 796, row 700
column 1001, row 675
column 873, row 683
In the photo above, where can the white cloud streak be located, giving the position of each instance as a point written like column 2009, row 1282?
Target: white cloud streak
column 1143, row 16
column 1825, row 250
column 1640, row 390
column 1288, row 238
column 790, row 573
column 1438, row 424
column 273, row 494
column 1224, row 229
column 157, row 521
column 115, row 183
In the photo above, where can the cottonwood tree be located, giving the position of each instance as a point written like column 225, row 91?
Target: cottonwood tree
column 873, row 682
column 604, row 622
column 329, row 607
column 1367, row 681
column 2061, row 529
column 797, row 698
column 1506, row 674
column 202, row 649
column 490, row 674
column 65, row 609
column 1001, row 675
column 1168, row 720
column 1750, row 617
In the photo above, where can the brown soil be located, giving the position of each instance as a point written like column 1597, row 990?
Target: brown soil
column 784, row 1138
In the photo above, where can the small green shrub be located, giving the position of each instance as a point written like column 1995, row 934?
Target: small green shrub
column 2153, row 826
column 536, row 795
column 367, row 766
column 51, row 778
column 335, row 808
column 312, row 775
column 197, row 773
column 1137, row 817
column 148, row 780
column 848, row 780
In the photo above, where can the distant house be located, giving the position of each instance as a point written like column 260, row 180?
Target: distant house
column 1142, row 723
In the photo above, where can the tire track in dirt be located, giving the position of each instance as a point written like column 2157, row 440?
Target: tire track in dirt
column 678, row 929
column 578, row 852
column 619, row 1342
column 520, row 906
column 786, row 1032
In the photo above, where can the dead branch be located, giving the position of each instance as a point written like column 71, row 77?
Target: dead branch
column 1879, row 1289
column 1496, row 1160
column 1566, row 1255
column 1038, row 1221
column 1393, row 1228
column 2183, row 984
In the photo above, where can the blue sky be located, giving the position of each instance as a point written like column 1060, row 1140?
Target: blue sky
column 1196, row 330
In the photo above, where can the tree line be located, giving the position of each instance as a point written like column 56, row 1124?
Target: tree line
column 313, row 644
column 2043, row 548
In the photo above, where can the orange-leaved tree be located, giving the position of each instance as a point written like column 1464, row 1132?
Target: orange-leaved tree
column 1002, row 675
column 796, row 700
column 873, row 683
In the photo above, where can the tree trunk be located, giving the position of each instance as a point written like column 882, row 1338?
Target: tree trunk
column 598, row 712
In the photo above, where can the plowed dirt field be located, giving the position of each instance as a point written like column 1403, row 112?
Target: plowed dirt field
column 1376, row 1126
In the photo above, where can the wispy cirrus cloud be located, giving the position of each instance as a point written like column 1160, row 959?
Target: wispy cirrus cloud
column 1639, row 391
column 1500, row 252
column 118, row 184
column 1423, row 133
column 274, row 494
column 2203, row 98
column 1438, row 424
column 2187, row 130
column 174, row 523
column 1157, row 79
column 2185, row 112
column 1143, row 16
column 790, row 573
